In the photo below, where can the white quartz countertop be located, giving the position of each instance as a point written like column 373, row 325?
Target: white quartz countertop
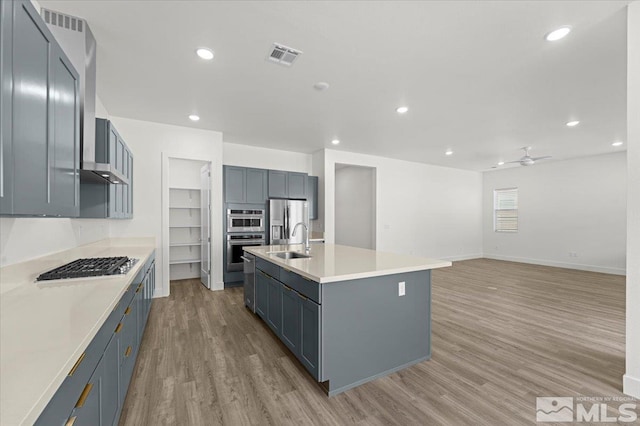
column 45, row 327
column 331, row 262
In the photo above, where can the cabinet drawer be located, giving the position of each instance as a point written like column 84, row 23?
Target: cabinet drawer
column 268, row 267
column 302, row 285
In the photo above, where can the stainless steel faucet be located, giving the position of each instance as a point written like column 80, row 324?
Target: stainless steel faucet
column 307, row 246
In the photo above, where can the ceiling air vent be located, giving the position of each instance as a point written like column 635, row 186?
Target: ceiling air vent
column 281, row 54
column 64, row 21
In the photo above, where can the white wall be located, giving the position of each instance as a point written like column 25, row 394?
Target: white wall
column 152, row 144
column 422, row 210
column 632, row 377
column 567, row 206
column 264, row 158
column 355, row 208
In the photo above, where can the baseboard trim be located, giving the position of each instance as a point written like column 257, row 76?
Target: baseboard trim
column 631, row 386
column 578, row 266
column 462, row 257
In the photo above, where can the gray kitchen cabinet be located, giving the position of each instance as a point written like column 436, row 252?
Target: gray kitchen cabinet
column 235, row 184
column 278, row 184
column 287, row 184
column 262, row 284
column 245, row 185
column 40, row 118
column 309, row 353
column 291, row 303
column 104, row 200
column 94, row 390
column 312, row 196
column 256, row 184
column 274, row 305
column 297, row 185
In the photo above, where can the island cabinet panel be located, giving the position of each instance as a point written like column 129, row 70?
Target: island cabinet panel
column 291, row 304
column 269, row 268
column 262, row 283
column 309, row 318
column 95, row 388
column 274, row 305
column 302, row 285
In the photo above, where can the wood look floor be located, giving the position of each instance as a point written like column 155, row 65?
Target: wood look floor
column 503, row 334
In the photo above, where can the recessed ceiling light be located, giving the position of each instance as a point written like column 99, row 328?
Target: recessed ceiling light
column 558, row 34
column 501, row 163
column 335, row 141
column 194, row 117
column 402, row 109
column 205, row 53
column 449, row 152
column 617, row 143
column 104, row 175
column 116, row 181
column 573, row 123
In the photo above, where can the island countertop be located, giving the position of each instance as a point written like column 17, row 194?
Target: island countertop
column 332, row 262
column 46, row 326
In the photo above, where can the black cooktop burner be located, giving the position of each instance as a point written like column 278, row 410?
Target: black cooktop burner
column 92, row 267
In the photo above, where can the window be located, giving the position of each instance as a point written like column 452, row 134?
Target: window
column 505, row 210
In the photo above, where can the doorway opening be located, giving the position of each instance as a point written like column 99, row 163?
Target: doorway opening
column 355, row 206
column 189, row 221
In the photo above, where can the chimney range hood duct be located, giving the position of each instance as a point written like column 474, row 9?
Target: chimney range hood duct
column 78, row 43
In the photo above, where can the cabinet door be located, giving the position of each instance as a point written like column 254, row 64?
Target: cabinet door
column 291, row 319
column 64, row 145
column 6, row 109
column 274, row 305
column 235, row 181
column 310, row 335
column 130, row 192
column 125, row 188
column 262, row 284
column 256, row 189
column 297, row 185
column 278, row 184
column 312, row 196
column 31, row 115
column 109, row 390
column 87, row 410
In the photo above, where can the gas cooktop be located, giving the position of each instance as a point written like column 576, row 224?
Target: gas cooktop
column 90, row 267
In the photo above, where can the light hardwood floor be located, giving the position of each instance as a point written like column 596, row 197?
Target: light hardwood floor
column 503, row 334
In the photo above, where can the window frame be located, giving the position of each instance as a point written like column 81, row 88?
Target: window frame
column 496, row 191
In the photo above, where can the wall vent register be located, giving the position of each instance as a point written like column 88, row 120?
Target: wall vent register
column 90, row 267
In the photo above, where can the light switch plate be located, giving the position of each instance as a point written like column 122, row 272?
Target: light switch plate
column 401, row 288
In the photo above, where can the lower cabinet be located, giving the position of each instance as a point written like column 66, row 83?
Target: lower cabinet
column 95, row 389
column 292, row 315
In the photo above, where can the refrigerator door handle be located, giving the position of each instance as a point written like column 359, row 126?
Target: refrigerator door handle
column 286, row 223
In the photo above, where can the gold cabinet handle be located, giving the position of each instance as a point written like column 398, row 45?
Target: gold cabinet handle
column 84, row 395
column 138, row 289
column 288, row 288
column 77, row 364
column 128, row 351
column 128, row 310
column 285, row 269
column 71, row 421
column 303, row 296
column 118, row 328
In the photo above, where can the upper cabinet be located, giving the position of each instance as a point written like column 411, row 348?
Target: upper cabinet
column 287, row 184
column 245, row 185
column 39, row 131
column 104, row 200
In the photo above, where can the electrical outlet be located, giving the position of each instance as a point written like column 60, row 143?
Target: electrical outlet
column 401, row 288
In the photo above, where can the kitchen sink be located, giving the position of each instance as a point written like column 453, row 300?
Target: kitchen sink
column 292, row 255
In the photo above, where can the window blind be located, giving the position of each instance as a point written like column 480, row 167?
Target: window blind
column 505, row 206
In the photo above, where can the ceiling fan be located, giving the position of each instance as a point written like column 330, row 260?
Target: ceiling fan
column 528, row 160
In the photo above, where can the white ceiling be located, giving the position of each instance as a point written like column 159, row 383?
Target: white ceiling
column 478, row 76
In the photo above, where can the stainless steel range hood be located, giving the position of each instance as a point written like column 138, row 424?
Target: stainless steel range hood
column 78, row 43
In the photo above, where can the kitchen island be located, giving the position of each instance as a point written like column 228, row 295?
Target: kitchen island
column 349, row 315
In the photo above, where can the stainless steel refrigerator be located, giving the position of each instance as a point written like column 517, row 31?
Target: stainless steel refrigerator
column 283, row 217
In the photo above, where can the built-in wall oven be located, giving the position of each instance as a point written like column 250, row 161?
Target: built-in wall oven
column 235, row 244
column 241, row 220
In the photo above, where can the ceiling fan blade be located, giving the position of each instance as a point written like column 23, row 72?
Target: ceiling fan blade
column 510, row 162
column 541, row 158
